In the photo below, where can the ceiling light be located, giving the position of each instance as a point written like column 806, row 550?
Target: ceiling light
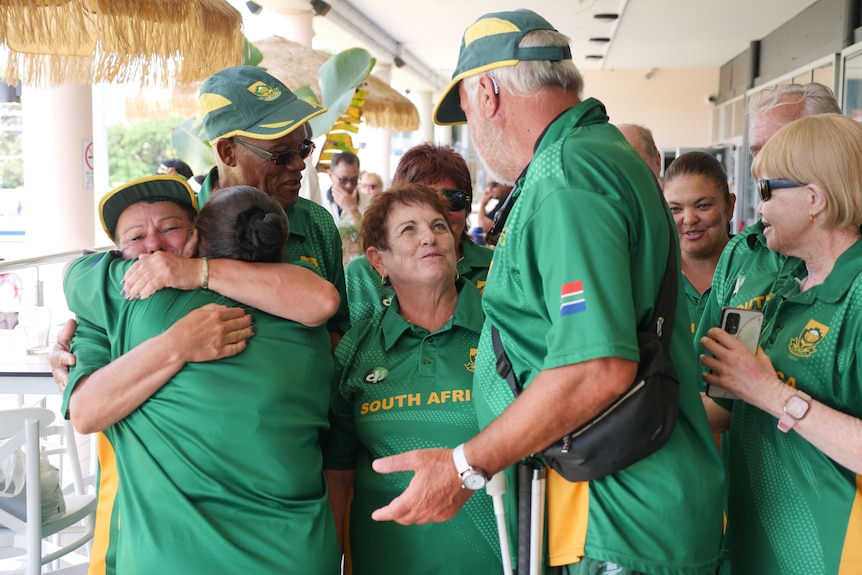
column 399, row 62
column 253, row 7
column 600, row 39
column 593, row 56
column 320, row 7
column 606, row 16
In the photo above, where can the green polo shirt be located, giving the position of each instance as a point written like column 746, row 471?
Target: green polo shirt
column 792, row 508
column 696, row 302
column 222, row 464
column 405, row 388
column 313, row 239
column 575, row 274
column 745, row 277
column 367, row 295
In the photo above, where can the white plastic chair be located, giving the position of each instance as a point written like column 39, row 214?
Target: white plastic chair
column 30, row 427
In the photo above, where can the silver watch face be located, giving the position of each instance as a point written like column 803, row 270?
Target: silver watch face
column 473, row 480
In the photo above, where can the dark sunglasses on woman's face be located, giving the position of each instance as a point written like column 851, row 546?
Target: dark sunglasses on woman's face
column 458, row 199
column 765, row 187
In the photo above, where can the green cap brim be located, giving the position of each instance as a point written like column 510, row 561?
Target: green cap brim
column 149, row 189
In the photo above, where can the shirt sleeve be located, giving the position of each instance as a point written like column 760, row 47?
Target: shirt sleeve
column 584, row 280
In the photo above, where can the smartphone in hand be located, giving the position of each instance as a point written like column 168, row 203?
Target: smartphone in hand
column 744, row 325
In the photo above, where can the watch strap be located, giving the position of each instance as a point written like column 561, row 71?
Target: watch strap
column 788, row 420
column 460, row 459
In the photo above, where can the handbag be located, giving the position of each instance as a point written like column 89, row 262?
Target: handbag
column 640, row 421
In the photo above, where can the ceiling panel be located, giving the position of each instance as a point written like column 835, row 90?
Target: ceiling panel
column 648, row 34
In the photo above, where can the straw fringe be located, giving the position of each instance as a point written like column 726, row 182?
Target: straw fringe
column 295, row 65
column 154, row 42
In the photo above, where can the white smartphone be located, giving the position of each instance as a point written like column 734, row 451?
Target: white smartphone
column 744, row 325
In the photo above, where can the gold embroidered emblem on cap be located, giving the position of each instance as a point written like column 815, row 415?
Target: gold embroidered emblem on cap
column 264, row 92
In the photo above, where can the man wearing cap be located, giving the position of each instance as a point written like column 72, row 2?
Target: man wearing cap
column 257, row 128
column 568, row 307
column 152, row 218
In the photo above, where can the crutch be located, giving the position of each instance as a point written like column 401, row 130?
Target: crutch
column 496, row 488
column 537, row 519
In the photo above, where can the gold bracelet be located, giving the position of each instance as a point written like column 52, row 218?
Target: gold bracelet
column 205, row 273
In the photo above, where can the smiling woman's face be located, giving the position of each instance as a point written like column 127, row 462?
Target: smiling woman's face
column 421, row 247
column 701, row 214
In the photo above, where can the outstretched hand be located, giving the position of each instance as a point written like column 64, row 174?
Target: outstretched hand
column 158, row 270
column 434, row 494
column 211, row 332
column 61, row 357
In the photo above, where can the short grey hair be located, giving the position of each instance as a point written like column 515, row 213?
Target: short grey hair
column 648, row 140
column 815, row 99
column 528, row 76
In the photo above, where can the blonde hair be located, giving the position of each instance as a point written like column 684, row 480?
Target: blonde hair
column 825, row 150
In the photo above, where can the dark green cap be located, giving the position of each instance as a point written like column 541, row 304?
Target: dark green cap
column 492, row 42
column 246, row 101
column 149, row 189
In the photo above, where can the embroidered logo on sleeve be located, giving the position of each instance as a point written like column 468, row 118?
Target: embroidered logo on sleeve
column 572, row 298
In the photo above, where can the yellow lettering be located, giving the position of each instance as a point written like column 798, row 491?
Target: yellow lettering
column 457, row 395
column 391, row 403
column 433, row 398
column 400, row 399
column 467, row 393
column 414, row 399
column 375, row 406
column 364, row 409
column 444, row 395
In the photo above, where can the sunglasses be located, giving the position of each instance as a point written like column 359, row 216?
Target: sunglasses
column 765, row 187
column 458, row 199
column 347, row 181
column 281, row 158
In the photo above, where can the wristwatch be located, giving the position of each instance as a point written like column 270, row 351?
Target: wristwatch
column 795, row 408
column 471, row 477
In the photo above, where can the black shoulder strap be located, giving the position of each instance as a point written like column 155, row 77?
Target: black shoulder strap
column 662, row 318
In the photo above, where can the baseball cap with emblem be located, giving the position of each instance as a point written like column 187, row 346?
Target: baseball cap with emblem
column 246, row 101
column 149, row 189
column 492, row 42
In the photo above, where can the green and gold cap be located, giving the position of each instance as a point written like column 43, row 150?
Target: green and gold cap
column 246, row 101
column 149, row 189
column 491, row 42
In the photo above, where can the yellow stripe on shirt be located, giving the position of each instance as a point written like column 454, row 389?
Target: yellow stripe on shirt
column 568, row 512
column 851, row 556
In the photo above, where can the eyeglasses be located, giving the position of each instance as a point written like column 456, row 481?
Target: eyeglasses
column 280, row 158
column 372, row 186
column 347, row 181
column 458, row 199
column 765, row 187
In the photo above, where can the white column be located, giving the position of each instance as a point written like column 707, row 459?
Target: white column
column 375, row 157
column 59, row 202
column 425, row 106
column 295, row 26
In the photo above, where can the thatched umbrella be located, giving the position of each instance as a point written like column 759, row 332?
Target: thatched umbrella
column 54, row 42
column 295, row 65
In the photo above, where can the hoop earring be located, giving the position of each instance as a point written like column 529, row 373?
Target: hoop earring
column 384, row 281
column 457, row 274
column 811, row 218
